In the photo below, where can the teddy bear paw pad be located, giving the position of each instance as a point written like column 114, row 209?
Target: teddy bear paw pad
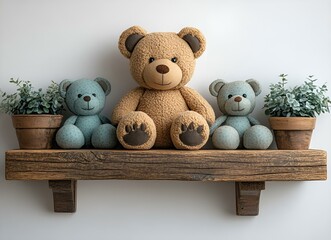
column 136, row 135
column 191, row 136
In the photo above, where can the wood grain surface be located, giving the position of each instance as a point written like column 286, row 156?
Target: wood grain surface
column 202, row 165
column 248, row 198
column 64, row 195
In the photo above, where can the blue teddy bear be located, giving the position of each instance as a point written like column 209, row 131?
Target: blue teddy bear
column 236, row 129
column 87, row 128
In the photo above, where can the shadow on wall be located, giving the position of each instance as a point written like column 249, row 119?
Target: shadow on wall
column 159, row 198
column 38, row 191
column 114, row 67
column 8, row 135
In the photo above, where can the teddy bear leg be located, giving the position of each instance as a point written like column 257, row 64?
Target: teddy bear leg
column 226, row 137
column 257, row 137
column 104, row 136
column 136, row 131
column 70, row 136
column 189, row 131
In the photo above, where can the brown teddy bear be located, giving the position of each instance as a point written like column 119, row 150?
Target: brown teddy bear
column 162, row 112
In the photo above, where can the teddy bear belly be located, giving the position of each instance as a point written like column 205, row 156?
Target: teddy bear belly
column 87, row 124
column 163, row 107
column 240, row 123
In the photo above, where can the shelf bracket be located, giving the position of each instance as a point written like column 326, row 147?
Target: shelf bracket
column 64, row 195
column 248, row 198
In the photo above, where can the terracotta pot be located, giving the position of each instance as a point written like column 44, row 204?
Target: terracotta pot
column 292, row 133
column 36, row 131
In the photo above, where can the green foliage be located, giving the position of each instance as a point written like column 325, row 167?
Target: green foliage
column 306, row 100
column 29, row 101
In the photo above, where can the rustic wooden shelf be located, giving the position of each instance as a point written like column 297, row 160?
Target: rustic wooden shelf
column 248, row 168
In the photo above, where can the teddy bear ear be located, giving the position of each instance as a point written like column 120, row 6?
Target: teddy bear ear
column 255, row 85
column 195, row 40
column 63, row 87
column 215, row 87
column 129, row 39
column 105, row 84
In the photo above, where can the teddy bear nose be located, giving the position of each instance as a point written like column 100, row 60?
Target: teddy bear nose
column 237, row 99
column 87, row 98
column 162, row 69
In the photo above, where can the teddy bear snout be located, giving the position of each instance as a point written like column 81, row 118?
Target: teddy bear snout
column 87, row 98
column 238, row 99
column 163, row 69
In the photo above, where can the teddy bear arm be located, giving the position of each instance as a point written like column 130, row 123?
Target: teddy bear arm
column 127, row 104
column 104, row 119
column 219, row 121
column 253, row 121
column 71, row 120
column 198, row 104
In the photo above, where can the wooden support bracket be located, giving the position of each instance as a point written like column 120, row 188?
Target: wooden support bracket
column 64, row 195
column 248, row 198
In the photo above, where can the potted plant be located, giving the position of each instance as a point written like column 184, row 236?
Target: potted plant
column 35, row 114
column 293, row 111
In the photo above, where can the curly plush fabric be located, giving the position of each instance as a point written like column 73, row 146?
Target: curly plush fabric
column 162, row 64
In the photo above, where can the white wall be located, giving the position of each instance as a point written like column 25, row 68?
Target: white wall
column 52, row 40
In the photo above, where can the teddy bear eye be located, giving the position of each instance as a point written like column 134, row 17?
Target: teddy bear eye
column 230, row 96
column 245, row 95
column 174, row 59
column 79, row 95
column 94, row 95
column 151, row 59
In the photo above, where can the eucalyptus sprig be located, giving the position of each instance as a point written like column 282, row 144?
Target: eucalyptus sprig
column 306, row 100
column 26, row 100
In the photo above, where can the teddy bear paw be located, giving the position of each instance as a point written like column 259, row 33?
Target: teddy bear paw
column 136, row 135
column 191, row 136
